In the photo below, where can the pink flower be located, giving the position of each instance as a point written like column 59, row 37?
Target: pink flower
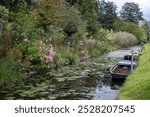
column 48, row 58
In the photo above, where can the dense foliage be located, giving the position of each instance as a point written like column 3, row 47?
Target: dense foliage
column 107, row 14
column 133, row 28
column 131, row 12
column 41, row 35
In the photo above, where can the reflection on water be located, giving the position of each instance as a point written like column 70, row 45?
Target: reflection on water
column 87, row 80
column 107, row 89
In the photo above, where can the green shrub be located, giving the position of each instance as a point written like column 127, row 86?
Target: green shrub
column 105, row 40
column 3, row 13
column 105, row 35
column 41, row 67
column 134, row 29
column 10, row 74
column 95, row 52
column 15, row 54
column 70, row 58
column 124, row 39
column 89, row 44
column 81, row 34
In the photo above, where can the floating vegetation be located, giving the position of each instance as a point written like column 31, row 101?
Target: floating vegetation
column 70, row 82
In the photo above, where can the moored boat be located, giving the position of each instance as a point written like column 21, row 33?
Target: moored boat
column 122, row 69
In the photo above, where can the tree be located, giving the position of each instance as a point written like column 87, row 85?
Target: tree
column 130, row 12
column 107, row 14
column 89, row 14
column 134, row 29
column 146, row 27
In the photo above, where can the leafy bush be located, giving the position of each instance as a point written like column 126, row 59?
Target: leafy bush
column 70, row 58
column 105, row 35
column 89, row 14
column 15, row 54
column 124, row 39
column 89, row 44
column 9, row 73
column 3, row 13
column 95, row 52
column 134, row 29
column 81, row 34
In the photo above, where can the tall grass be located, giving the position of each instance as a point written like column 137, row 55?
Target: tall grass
column 69, row 57
column 137, row 85
column 9, row 73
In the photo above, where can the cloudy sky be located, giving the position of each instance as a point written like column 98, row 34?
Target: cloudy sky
column 143, row 4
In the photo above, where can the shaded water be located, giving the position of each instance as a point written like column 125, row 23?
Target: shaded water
column 86, row 80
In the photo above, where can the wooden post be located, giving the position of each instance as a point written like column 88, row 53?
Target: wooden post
column 132, row 52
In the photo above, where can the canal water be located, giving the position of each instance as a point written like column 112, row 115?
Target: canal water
column 88, row 80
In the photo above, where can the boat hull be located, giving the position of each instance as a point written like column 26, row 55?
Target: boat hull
column 116, row 75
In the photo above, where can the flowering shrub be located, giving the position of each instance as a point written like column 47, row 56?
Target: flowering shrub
column 40, row 53
column 48, row 58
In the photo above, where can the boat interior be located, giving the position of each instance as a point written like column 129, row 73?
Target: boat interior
column 122, row 69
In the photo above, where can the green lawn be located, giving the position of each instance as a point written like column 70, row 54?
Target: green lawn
column 137, row 85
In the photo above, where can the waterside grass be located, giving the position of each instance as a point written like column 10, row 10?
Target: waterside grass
column 137, row 85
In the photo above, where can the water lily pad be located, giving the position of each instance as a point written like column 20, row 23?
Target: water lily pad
column 9, row 98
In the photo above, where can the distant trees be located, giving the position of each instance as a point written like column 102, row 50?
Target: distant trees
column 131, row 12
column 107, row 14
column 89, row 14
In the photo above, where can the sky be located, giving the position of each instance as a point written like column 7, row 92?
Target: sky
column 143, row 4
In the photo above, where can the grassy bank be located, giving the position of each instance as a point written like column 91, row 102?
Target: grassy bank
column 137, row 86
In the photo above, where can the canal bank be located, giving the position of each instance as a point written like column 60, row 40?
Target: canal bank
column 137, row 85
